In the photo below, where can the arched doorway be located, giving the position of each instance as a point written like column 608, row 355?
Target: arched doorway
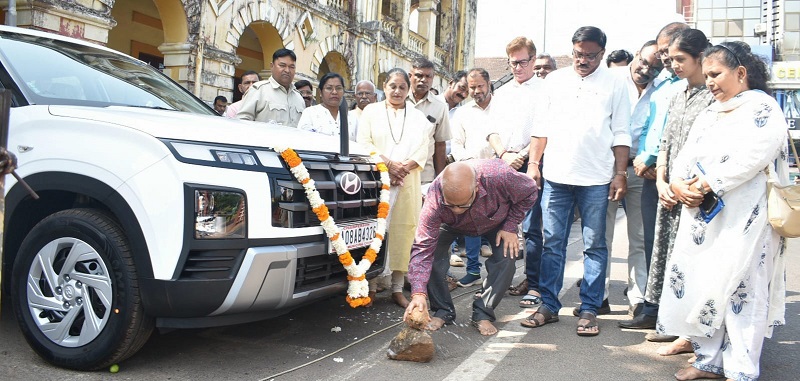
column 144, row 26
column 258, row 41
column 334, row 62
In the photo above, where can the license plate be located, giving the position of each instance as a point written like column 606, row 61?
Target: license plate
column 357, row 234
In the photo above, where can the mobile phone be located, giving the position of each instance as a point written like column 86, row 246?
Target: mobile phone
column 710, row 206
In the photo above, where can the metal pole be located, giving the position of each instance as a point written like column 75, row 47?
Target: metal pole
column 11, row 13
column 544, row 29
column 344, row 130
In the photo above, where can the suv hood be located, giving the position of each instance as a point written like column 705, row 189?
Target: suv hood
column 206, row 128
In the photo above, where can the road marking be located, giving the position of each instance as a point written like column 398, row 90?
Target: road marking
column 494, row 350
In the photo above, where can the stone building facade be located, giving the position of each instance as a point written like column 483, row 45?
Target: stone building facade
column 205, row 45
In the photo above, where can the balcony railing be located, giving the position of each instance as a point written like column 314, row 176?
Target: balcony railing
column 439, row 56
column 390, row 26
column 416, row 43
column 338, row 4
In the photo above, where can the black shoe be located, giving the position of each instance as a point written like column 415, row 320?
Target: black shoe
column 636, row 309
column 657, row 338
column 604, row 309
column 641, row 321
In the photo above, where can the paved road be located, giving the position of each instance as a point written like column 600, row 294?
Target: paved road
column 265, row 350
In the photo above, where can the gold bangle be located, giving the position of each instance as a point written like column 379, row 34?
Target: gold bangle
column 535, row 162
column 420, row 293
column 660, row 165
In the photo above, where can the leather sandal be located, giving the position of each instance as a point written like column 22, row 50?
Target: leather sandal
column 544, row 317
column 592, row 318
column 520, row 289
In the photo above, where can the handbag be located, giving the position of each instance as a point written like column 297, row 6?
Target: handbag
column 783, row 204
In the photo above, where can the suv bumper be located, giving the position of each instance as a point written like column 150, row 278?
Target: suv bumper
column 270, row 281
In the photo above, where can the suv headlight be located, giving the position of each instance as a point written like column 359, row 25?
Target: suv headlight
column 219, row 214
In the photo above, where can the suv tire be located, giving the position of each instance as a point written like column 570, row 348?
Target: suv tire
column 75, row 291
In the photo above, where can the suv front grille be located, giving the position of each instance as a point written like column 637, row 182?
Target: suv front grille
column 321, row 270
column 290, row 204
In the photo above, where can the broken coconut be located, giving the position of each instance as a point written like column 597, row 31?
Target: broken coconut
column 413, row 343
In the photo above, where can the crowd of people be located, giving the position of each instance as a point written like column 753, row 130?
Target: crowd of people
column 680, row 136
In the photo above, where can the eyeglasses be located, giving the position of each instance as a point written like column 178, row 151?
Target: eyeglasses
column 330, row 89
column 465, row 206
column 662, row 54
column 521, row 63
column 651, row 68
column 364, row 94
column 587, row 56
column 306, row 93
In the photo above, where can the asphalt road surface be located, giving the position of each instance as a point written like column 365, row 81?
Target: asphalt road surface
column 304, row 345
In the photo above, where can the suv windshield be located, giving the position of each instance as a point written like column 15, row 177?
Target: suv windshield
column 51, row 72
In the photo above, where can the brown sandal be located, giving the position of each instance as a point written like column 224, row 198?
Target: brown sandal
column 533, row 322
column 592, row 318
column 520, row 289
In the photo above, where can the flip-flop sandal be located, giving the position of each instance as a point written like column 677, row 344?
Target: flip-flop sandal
column 532, row 322
column 520, row 289
column 586, row 315
column 530, row 301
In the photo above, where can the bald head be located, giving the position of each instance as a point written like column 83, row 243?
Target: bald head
column 458, row 185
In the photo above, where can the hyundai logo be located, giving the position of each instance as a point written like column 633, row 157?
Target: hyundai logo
column 348, row 182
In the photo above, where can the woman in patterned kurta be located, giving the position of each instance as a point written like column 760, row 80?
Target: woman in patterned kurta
column 726, row 276
column 399, row 134
column 686, row 51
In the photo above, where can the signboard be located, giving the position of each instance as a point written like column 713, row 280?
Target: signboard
column 785, row 75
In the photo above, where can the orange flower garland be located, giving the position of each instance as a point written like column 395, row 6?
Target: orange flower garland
column 358, row 289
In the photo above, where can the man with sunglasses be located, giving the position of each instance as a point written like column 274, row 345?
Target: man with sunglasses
column 474, row 197
column 420, row 95
column 640, row 79
column 584, row 133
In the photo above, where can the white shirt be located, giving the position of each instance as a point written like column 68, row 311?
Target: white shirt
column 584, row 118
column 470, row 127
column 437, row 110
column 352, row 120
column 513, row 108
column 318, row 119
column 640, row 106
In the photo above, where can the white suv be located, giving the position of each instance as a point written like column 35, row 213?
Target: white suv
column 153, row 211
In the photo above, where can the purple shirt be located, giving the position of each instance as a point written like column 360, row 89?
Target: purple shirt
column 503, row 196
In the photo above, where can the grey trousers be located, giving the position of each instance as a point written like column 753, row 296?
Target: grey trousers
column 500, row 271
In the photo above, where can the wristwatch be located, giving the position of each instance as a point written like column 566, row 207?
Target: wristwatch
column 621, row 173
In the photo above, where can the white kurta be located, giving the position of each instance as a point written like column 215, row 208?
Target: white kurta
column 399, row 135
column 318, row 119
column 729, row 272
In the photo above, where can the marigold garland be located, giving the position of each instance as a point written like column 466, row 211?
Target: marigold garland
column 358, row 289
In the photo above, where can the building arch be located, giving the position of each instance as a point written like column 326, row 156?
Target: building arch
column 334, row 62
column 253, row 13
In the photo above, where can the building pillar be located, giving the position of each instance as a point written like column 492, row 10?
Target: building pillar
column 92, row 25
column 406, row 4
column 176, row 61
column 427, row 25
